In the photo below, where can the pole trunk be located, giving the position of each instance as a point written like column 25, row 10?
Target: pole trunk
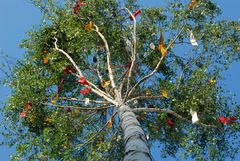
column 136, row 148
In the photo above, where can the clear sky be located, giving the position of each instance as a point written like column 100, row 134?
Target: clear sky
column 17, row 17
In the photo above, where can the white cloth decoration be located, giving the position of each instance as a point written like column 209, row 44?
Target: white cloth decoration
column 194, row 116
column 192, row 39
column 86, row 101
column 152, row 46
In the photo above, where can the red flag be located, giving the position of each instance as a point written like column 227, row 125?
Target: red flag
column 170, row 122
column 76, row 8
column 23, row 114
column 82, row 80
column 85, row 91
column 134, row 14
column 226, row 120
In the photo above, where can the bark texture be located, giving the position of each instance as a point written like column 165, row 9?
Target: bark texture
column 136, row 148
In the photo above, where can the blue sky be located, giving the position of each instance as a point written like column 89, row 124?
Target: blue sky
column 17, row 17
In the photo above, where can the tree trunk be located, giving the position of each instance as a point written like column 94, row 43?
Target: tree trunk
column 135, row 142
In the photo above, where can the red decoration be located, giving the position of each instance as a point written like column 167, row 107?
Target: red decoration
column 150, row 106
column 226, row 120
column 68, row 110
column 134, row 14
column 170, row 122
column 29, row 106
column 82, row 80
column 85, row 91
column 76, row 8
column 23, row 114
column 81, row 4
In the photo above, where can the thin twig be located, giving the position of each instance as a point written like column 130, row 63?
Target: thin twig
column 80, row 100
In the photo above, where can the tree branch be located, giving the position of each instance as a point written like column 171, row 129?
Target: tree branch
column 78, row 100
column 172, row 113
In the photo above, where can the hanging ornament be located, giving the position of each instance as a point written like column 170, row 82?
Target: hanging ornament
column 152, row 46
column 194, row 116
column 76, row 8
column 54, row 100
column 148, row 93
column 170, row 122
column 164, row 93
column 23, row 114
column 82, row 80
column 161, row 46
column 68, row 110
column 193, row 41
column 85, row 91
column 45, row 60
column 110, row 122
column 105, row 84
column 134, row 14
column 86, row 101
column 226, row 120
column 89, row 26
column 192, row 4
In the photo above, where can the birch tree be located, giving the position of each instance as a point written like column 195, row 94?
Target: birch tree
column 108, row 80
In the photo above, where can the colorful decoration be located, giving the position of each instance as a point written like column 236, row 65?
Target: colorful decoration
column 193, row 41
column 110, row 122
column 82, row 80
column 23, row 114
column 135, row 14
column 226, row 120
column 85, row 91
column 161, row 46
column 164, row 93
column 152, row 46
column 27, row 108
column 89, row 26
column 148, row 93
column 105, row 84
column 76, row 8
column 212, row 81
column 87, row 101
column 55, row 98
column 170, row 122
column 192, row 4
column 194, row 116
column 45, row 60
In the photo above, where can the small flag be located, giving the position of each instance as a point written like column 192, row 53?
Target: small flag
column 45, row 60
column 85, row 91
column 110, row 122
column 105, row 84
column 23, row 114
column 192, row 4
column 148, row 92
column 165, row 93
column 134, row 14
column 89, row 26
column 86, row 102
column 226, row 120
column 193, row 41
column 194, row 116
column 82, row 80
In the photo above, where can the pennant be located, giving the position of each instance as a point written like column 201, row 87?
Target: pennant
column 161, row 46
column 152, row 46
column 134, row 14
column 85, row 91
column 226, row 120
column 54, row 100
column 45, row 60
column 192, row 4
column 76, row 8
column 150, row 106
column 89, row 26
column 165, row 93
column 68, row 110
column 110, row 122
column 86, row 101
column 82, row 80
column 105, row 84
column 23, row 114
column 193, row 41
column 170, row 122
column 148, row 92
column 194, row 116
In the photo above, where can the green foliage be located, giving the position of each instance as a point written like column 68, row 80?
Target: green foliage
column 51, row 133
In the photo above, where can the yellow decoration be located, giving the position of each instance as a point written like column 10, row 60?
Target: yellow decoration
column 163, row 51
column 165, row 93
column 148, row 93
column 161, row 46
column 110, row 122
column 54, row 100
column 192, row 4
column 105, row 84
column 89, row 26
column 212, row 81
column 45, row 60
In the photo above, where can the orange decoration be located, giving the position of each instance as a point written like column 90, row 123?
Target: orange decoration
column 192, row 4
column 110, row 122
column 89, row 26
column 45, row 60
